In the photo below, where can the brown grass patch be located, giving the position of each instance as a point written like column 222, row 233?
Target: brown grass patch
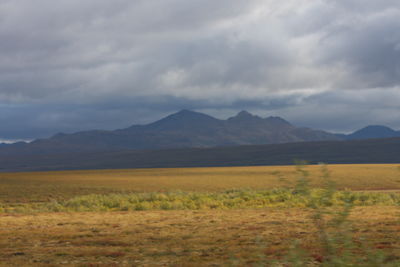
column 186, row 238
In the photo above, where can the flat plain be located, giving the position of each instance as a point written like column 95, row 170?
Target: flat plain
column 187, row 237
column 45, row 186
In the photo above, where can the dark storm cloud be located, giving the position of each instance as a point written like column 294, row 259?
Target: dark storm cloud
column 370, row 46
column 73, row 65
column 348, row 110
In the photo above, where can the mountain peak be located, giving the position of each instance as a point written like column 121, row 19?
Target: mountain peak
column 183, row 118
column 244, row 115
column 185, row 112
column 374, row 131
column 378, row 127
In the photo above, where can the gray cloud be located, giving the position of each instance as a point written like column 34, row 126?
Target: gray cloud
column 69, row 65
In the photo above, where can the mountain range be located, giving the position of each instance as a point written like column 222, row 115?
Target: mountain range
column 188, row 129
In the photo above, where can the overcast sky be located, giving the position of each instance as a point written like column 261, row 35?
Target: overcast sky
column 72, row 65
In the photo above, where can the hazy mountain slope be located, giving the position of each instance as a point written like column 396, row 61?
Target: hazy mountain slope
column 182, row 129
column 373, row 131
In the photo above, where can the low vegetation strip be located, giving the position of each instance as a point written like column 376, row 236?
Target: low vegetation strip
column 232, row 199
column 63, row 185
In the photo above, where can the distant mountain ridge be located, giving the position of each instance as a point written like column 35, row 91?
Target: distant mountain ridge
column 179, row 130
column 372, row 132
column 188, row 129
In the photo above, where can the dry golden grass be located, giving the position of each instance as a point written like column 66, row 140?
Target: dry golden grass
column 183, row 237
column 176, row 238
column 44, row 186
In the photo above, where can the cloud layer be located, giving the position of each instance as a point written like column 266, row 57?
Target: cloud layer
column 73, row 65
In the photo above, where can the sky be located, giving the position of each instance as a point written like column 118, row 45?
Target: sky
column 70, row 65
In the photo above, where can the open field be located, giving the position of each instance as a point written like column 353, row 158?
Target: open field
column 178, row 238
column 45, row 186
column 237, row 216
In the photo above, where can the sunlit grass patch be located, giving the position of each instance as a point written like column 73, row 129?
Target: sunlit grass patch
column 63, row 185
column 232, row 199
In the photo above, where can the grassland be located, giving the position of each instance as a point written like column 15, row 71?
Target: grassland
column 60, row 185
column 177, row 238
column 243, row 216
